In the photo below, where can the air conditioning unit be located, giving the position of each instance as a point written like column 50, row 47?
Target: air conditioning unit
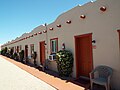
column 52, row 57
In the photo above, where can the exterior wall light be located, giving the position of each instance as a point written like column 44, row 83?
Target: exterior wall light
column 68, row 21
column 103, row 8
column 83, row 16
column 50, row 28
column 58, row 25
column 93, row 41
column 63, row 46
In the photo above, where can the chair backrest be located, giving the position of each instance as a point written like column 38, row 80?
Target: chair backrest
column 104, row 71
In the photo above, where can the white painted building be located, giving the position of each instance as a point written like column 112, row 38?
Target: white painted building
column 91, row 32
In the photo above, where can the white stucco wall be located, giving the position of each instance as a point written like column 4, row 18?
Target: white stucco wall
column 102, row 25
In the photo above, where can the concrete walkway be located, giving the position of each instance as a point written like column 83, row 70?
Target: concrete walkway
column 14, row 78
column 54, row 81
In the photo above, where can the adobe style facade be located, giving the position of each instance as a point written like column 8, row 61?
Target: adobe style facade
column 91, row 32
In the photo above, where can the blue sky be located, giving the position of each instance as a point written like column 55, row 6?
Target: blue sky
column 20, row 16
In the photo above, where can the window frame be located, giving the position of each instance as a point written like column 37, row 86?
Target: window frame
column 32, row 45
column 51, row 48
column 20, row 47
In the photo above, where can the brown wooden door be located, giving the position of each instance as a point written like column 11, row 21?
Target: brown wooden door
column 26, row 51
column 84, row 62
column 42, row 52
column 17, row 49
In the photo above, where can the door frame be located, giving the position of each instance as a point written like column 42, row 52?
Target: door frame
column 119, row 36
column 26, row 51
column 40, row 50
column 76, row 53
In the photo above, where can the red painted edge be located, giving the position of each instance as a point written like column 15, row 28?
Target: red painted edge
column 119, row 37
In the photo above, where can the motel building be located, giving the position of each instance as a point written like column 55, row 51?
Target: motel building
column 91, row 32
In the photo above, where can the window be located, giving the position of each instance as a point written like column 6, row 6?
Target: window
column 54, row 45
column 15, row 49
column 32, row 49
column 20, row 47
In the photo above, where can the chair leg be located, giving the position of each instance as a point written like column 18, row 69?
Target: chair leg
column 91, row 83
column 107, row 87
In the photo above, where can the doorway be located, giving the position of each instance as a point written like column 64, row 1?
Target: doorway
column 26, row 51
column 42, row 52
column 84, row 57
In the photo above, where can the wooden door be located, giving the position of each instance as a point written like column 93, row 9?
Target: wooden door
column 26, row 51
column 17, row 49
column 42, row 52
column 84, row 62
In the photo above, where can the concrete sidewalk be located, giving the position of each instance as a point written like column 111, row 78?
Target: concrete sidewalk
column 14, row 78
column 49, row 79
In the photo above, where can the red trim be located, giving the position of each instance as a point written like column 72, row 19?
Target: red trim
column 51, row 44
column 119, row 37
column 76, row 56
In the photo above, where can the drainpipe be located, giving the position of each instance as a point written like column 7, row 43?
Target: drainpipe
column 46, row 60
